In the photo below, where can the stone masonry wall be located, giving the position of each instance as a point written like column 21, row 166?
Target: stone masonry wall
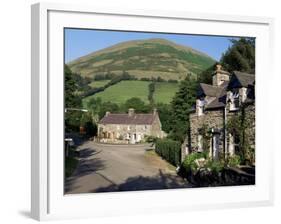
column 211, row 119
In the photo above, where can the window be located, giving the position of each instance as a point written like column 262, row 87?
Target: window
column 200, row 105
column 234, row 100
column 200, row 143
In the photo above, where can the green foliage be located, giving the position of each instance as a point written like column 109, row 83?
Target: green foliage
column 207, row 75
column 151, row 90
column 150, row 139
column 190, row 165
column 214, row 166
column 233, row 161
column 240, row 56
column 165, row 115
column 70, row 165
column 72, row 121
column 137, row 104
column 169, row 150
column 189, row 161
column 181, row 106
column 70, row 87
column 238, row 125
column 88, row 124
column 108, row 106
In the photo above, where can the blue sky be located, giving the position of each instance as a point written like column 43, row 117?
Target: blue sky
column 79, row 42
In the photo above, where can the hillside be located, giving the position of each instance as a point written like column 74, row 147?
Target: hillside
column 124, row 90
column 143, row 59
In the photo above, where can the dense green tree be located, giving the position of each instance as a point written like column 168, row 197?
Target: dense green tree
column 165, row 114
column 72, row 100
column 240, row 56
column 70, row 87
column 137, row 104
column 181, row 105
column 108, row 106
column 151, row 90
column 207, row 75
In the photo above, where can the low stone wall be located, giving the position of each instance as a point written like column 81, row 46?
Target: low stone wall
column 227, row 177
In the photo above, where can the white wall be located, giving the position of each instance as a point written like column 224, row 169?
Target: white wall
column 15, row 109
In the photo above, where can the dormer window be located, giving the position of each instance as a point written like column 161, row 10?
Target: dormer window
column 234, row 100
column 200, row 105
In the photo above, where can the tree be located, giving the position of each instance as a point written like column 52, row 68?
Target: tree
column 240, row 56
column 70, row 87
column 165, row 114
column 137, row 104
column 207, row 75
column 72, row 100
column 108, row 106
column 181, row 107
column 94, row 105
column 151, row 90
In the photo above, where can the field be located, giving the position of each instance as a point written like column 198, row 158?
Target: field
column 96, row 84
column 164, row 92
column 124, row 90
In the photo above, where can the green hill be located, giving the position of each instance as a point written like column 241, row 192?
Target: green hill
column 143, row 59
column 124, row 90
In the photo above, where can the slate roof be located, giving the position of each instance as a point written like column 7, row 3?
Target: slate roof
column 208, row 90
column 219, row 92
column 241, row 79
column 140, row 119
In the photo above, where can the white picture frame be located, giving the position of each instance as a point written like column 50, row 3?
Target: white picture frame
column 48, row 201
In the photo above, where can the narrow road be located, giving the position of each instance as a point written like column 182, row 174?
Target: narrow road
column 107, row 168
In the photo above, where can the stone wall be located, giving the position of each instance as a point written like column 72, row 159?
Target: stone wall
column 114, row 132
column 210, row 119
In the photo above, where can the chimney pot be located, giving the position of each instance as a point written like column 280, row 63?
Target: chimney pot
column 219, row 67
column 131, row 111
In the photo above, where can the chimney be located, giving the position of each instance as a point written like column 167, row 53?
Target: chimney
column 220, row 76
column 154, row 111
column 131, row 111
column 218, row 67
column 107, row 113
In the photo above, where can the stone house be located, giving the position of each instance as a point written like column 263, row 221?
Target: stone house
column 229, row 95
column 130, row 127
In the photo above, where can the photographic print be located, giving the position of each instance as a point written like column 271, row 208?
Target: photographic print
column 154, row 111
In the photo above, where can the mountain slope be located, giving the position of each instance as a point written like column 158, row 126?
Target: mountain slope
column 144, row 58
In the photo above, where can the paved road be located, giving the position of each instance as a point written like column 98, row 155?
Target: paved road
column 107, row 168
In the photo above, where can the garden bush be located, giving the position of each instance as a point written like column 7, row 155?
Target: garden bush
column 169, row 150
column 189, row 161
column 234, row 161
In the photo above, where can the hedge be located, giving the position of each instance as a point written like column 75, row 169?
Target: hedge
column 169, row 150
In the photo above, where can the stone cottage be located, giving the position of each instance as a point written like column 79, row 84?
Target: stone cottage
column 229, row 95
column 130, row 127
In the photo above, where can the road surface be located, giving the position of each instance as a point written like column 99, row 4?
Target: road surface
column 108, row 168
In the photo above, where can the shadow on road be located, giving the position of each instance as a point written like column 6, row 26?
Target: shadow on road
column 86, row 165
column 87, row 152
column 157, row 182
